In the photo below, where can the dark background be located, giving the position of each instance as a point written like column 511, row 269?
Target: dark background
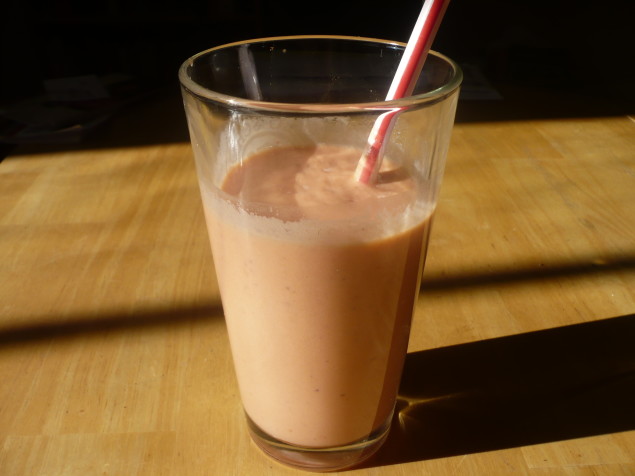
column 558, row 58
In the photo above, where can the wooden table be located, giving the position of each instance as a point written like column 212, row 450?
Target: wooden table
column 113, row 351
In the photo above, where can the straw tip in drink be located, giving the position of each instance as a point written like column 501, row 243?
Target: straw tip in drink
column 367, row 169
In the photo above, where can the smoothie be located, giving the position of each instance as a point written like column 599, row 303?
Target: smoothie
column 318, row 275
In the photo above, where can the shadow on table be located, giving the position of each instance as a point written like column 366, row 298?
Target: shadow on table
column 581, row 266
column 86, row 326
column 556, row 384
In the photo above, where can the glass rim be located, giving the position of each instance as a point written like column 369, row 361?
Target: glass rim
column 432, row 96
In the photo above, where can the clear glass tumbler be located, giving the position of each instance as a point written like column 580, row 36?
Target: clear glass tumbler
column 318, row 272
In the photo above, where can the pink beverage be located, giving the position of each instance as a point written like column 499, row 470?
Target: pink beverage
column 318, row 272
column 318, row 276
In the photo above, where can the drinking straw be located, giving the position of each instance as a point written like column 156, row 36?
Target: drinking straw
column 402, row 85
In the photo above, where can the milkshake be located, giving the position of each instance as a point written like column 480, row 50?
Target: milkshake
column 318, row 272
column 318, row 275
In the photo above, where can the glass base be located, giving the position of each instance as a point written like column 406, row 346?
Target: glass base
column 319, row 459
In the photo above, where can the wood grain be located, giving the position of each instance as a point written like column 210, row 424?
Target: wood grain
column 114, row 358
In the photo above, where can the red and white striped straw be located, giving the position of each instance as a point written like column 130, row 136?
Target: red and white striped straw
column 402, row 85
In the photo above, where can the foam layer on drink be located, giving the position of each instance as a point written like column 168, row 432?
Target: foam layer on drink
column 313, row 196
column 318, row 276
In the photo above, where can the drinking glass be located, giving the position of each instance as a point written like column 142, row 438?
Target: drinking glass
column 318, row 273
